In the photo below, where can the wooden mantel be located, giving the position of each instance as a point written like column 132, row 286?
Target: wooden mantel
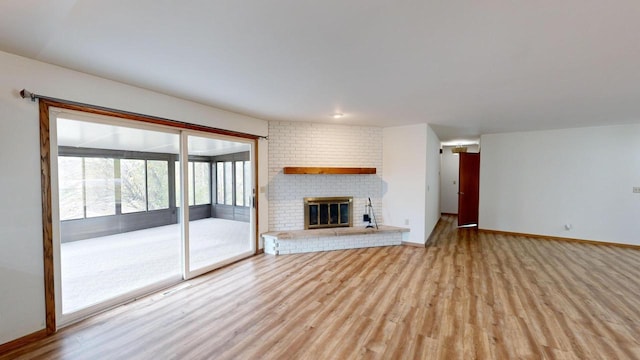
column 328, row 170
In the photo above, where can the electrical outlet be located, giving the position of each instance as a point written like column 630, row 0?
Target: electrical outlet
column 636, row 189
column 406, row 221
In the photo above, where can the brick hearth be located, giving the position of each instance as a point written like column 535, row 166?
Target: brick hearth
column 301, row 241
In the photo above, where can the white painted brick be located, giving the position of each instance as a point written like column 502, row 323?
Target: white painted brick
column 303, row 245
column 304, row 144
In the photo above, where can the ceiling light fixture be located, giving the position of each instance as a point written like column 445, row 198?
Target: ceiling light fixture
column 459, row 149
column 337, row 115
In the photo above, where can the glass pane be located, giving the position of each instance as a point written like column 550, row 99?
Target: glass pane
column 333, row 212
column 228, row 183
column 220, row 183
column 70, row 188
column 191, row 184
column 324, row 214
column 100, row 194
column 109, row 256
column 134, row 189
column 313, row 214
column 247, row 183
column 344, row 213
column 239, row 183
column 202, row 179
column 177, row 182
column 158, row 184
column 216, row 233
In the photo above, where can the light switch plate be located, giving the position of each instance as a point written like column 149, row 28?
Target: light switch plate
column 636, row 189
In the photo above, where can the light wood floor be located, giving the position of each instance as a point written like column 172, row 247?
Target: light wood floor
column 467, row 295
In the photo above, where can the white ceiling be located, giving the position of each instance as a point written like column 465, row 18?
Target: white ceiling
column 466, row 67
column 83, row 134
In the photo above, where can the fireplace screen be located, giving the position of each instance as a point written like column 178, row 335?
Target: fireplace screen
column 327, row 212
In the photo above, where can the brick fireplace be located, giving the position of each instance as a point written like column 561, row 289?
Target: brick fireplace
column 307, row 144
column 322, row 145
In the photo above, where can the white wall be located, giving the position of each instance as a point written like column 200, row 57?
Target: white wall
column 536, row 182
column 449, row 174
column 262, row 189
column 404, row 159
column 21, row 267
column 308, row 144
column 432, row 181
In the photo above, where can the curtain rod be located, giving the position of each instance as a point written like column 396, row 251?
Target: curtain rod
column 24, row 93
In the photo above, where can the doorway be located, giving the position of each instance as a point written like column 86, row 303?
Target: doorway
column 135, row 208
column 450, row 176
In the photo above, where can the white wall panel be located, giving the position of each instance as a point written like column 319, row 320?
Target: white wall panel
column 537, row 182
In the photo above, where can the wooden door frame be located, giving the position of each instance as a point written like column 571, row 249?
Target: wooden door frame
column 45, row 104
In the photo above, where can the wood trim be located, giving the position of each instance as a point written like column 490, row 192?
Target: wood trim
column 300, row 170
column 408, row 243
column 558, row 238
column 19, row 342
column 256, row 186
column 93, row 109
column 47, row 231
column 451, row 214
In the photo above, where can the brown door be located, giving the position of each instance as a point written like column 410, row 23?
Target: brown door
column 469, row 189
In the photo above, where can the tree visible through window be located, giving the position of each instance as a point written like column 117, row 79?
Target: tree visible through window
column 247, row 182
column 87, row 186
column 133, row 185
column 239, row 183
column 157, row 184
column 100, row 196
column 71, row 186
column 199, row 174
column 202, row 183
column 228, row 183
column 233, row 183
column 178, row 184
column 220, row 183
column 145, row 185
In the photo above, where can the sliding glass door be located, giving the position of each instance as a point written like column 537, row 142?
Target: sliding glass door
column 219, row 227
column 140, row 207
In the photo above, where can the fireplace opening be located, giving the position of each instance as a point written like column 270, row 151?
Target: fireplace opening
column 328, row 212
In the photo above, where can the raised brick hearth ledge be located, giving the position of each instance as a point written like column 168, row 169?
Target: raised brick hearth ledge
column 340, row 231
column 301, row 241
